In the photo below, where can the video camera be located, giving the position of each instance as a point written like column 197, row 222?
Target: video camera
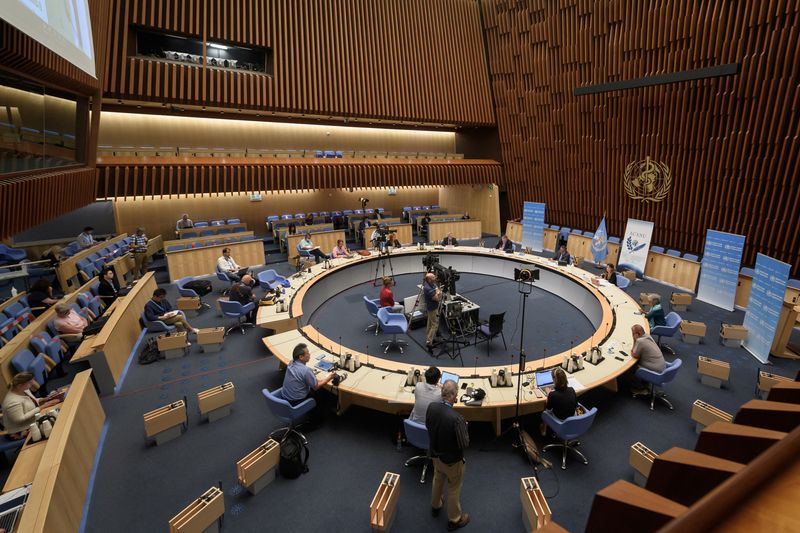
column 429, row 261
column 526, row 275
column 446, row 277
column 382, row 232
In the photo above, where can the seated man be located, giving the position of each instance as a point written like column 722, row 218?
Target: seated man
column 307, row 246
column 184, row 222
column 504, row 244
column 340, row 250
column 466, row 216
column 646, row 351
column 450, row 240
column 656, row 313
column 610, row 275
column 426, row 392
column 242, row 292
column 86, row 239
column 159, row 308
column 562, row 256
column 387, row 298
column 68, row 321
column 228, row 265
column 300, row 382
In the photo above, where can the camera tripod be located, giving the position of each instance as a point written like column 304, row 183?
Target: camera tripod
column 380, row 265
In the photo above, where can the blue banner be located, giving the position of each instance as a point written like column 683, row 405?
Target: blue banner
column 719, row 274
column 600, row 242
column 764, row 306
column 533, row 225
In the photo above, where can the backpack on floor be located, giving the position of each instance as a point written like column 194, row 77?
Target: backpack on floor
column 294, row 456
column 200, row 286
column 150, row 353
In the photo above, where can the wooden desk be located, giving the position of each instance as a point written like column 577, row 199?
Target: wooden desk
column 786, row 323
column 203, row 261
column 461, row 230
column 380, row 385
column 216, row 229
column 282, row 234
column 26, row 464
column 514, row 231
column 549, row 240
column 208, row 239
column 108, row 351
column 67, row 270
column 676, row 271
column 439, row 218
column 403, row 232
column 56, row 500
column 743, row 292
column 122, row 266
column 326, row 241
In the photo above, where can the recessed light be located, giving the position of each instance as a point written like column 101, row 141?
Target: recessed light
column 218, row 46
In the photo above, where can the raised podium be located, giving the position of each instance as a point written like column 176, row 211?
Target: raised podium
column 258, row 468
column 383, row 508
column 203, row 515
column 166, row 423
column 215, row 403
column 535, row 510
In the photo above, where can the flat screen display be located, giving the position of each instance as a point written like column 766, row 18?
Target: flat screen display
column 448, row 376
column 63, row 26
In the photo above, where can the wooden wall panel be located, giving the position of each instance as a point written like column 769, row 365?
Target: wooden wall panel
column 31, row 200
column 398, row 60
column 732, row 143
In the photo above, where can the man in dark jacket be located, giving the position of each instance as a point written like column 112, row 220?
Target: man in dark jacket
column 447, row 431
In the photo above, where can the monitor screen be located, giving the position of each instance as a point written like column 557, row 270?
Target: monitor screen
column 448, row 376
column 544, row 378
column 63, row 27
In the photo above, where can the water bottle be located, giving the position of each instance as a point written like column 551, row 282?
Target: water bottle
column 36, row 435
column 47, row 427
column 14, row 292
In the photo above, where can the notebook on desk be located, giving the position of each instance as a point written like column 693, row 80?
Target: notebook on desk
column 325, row 366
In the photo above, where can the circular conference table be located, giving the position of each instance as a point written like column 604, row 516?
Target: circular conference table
column 380, row 383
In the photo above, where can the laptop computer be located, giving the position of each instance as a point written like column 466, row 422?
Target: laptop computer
column 448, row 376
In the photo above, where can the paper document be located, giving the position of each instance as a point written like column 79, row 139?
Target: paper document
column 575, row 384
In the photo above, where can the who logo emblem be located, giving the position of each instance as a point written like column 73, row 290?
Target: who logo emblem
column 647, row 180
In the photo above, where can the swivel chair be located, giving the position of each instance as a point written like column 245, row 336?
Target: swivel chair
column 417, row 435
column 623, row 282
column 673, row 322
column 568, row 430
column 372, row 309
column 654, row 379
column 491, row 329
column 190, row 293
column 392, row 323
column 156, row 326
column 223, row 276
column 287, row 413
column 238, row 311
column 269, row 279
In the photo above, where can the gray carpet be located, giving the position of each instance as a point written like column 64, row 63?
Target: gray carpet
column 138, row 487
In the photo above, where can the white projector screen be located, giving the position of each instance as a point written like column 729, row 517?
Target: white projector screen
column 63, row 26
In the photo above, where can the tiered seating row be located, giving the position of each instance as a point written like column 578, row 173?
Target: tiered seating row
column 204, row 151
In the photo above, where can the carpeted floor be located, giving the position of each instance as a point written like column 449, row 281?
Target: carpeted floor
column 138, row 486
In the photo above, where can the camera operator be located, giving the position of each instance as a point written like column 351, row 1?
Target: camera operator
column 432, row 296
column 393, row 242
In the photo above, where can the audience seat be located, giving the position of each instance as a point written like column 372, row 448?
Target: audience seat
column 156, row 326
column 657, row 249
column 287, row 413
column 8, row 328
column 238, row 311
column 201, row 224
column 393, row 324
column 20, row 313
column 673, row 322
column 189, row 293
column 691, row 257
column 673, row 253
column 25, row 361
column 372, row 309
column 269, row 279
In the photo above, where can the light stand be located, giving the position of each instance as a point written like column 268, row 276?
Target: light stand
column 525, row 289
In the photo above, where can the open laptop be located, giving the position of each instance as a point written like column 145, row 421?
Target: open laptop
column 448, row 376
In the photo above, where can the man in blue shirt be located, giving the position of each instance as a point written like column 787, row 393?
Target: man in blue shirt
column 86, row 239
column 307, row 246
column 300, row 382
column 159, row 308
column 432, row 295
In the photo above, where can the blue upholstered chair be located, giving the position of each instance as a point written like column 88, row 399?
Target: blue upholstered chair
column 201, row 224
column 747, row 271
column 20, row 313
column 623, row 282
column 372, row 309
column 176, row 247
column 793, row 283
column 25, row 361
column 568, row 430
column 417, row 436
column 189, row 293
column 156, row 326
column 234, row 221
column 193, row 234
column 11, row 255
column 224, row 231
column 238, row 311
column 691, row 257
column 269, row 279
column 287, row 413
column 658, row 379
column 490, row 330
column 223, row 276
column 42, row 342
column 8, row 328
column 673, row 322
column 615, row 240
column 394, row 324
column 206, row 233
column 657, row 249
column 218, row 222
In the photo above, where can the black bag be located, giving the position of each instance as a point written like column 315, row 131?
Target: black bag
column 200, row 286
column 150, row 353
column 294, row 456
column 95, row 326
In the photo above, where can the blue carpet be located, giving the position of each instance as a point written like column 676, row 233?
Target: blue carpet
column 139, row 487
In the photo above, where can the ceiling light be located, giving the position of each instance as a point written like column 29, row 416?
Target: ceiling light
column 218, row 46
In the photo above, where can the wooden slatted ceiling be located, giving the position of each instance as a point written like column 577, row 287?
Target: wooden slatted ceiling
column 31, row 200
column 157, row 180
column 403, row 60
column 733, row 143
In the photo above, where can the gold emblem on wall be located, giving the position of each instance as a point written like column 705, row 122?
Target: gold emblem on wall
column 647, row 180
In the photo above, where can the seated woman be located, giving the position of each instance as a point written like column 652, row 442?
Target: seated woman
column 109, row 288
column 340, row 250
column 307, row 246
column 40, row 296
column 562, row 400
column 504, row 244
column 610, row 275
column 20, row 407
column 656, row 313
column 393, row 242
column 387, row 297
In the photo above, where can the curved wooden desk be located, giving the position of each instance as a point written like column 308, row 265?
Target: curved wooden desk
column 380, row 383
